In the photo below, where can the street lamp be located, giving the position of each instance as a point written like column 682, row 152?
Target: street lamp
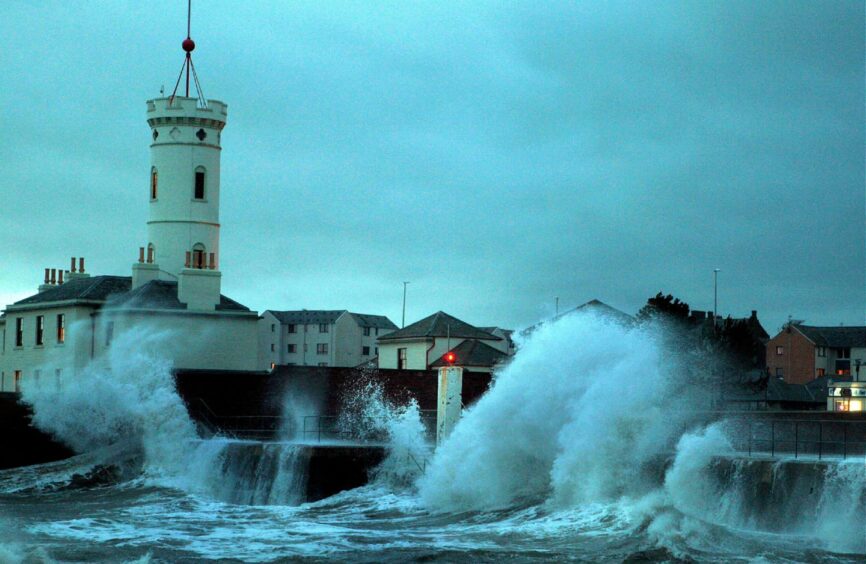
column 403, row 323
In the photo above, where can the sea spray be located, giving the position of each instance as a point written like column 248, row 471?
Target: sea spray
column 581, row 412
column 127, row 398
column 367, row 415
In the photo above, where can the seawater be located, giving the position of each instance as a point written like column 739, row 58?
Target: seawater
column 580, row 451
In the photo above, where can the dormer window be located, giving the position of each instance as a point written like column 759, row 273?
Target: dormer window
column 153, row 183
column 198, row 193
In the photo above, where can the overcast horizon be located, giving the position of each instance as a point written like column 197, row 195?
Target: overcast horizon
column 495, row 155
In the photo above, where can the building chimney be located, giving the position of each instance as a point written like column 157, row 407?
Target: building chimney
column 141, row 254
column 72, row 269
column 53, row 276
column 212, row 261
column 150, row 255
column 47, row 275
column 81, row 265
column 754, row 314
column 60, row 277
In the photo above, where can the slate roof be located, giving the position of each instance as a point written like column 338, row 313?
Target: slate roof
column 837, row 337
column 377, row 321
column 162, row 294
column 598, row 306
column 440, row 324
column 92, row 288
column 307, row 316
column 473, row 353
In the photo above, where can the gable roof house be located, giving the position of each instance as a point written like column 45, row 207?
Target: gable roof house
column 423, row 344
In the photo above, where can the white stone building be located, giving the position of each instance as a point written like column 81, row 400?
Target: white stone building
column 175, row 285
column 319, row 337
column 423, row 344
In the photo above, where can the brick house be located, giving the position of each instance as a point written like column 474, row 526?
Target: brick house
column 801, row 353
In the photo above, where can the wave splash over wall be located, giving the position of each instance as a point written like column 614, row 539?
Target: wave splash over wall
column 125, row 400
column 593, row 414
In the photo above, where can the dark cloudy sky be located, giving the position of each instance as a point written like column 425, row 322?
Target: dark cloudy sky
column 497, row 155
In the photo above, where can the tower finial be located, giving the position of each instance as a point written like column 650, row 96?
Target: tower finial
column 188, row 46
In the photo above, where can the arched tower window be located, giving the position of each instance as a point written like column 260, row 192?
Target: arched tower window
column 198, row 256
column 153, row 179
column 198, row 192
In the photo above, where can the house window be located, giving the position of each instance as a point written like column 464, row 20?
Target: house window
column 198, row 256
column 822, row 351
column 292, row 328
column 377, row 351
column 377, row 331
column 273, row 327
column 843, row 353
column 61, row 327
column 199, row 184
column 109, row 332
column 19, row 332
column 322, row 348
column 401, row 359
column 153, row 183
column 819, row 372
column 323, row 364
column 293, row 349
column 366, row 331
column 40, row 330
column 780, row 351
column 780, row 373
column 273, row 347
column 323, row 327
column 16, row 379
column 365, row 351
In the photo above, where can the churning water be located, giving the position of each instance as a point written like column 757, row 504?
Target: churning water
column 581, row 450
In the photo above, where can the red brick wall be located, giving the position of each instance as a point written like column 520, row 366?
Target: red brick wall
column 797, row 360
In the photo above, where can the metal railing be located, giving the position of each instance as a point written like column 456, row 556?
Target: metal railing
column 801, row 438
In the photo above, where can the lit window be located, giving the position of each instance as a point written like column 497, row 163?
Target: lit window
column 273, row 365
column 199, row 184
column 17, row 380
column 198, row 253
column 819, row 372
column 19, row 332
column 61, row 327
column 365, row 351
column 153, row 181
column 322, row 348
column 40, row 330
column 323, row 327
column 780, row 351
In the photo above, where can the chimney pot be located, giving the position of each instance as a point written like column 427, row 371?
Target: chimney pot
column 72, row 269
column 81, row 265
column 754, row 313
column 150, row 255
column 60, row 277
column 53, row 276
column 141, row 254
column 212, row 261
column 47, row 275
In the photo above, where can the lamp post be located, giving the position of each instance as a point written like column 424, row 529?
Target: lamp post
column 715, row 295
column 403, row 322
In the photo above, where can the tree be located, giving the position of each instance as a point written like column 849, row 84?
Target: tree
column 664, row 306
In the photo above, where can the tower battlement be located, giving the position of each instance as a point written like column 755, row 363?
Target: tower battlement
column 182, row 110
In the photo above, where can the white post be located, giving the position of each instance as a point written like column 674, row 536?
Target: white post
column 450, row 400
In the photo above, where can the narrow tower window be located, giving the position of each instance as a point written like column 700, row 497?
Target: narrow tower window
column 153, row 183
column 61, row 327
column 199, row 184
column 198, row 255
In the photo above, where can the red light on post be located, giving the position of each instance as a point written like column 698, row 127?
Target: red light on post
column 450, row 357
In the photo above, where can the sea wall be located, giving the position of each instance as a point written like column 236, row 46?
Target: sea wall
column 21, row 444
